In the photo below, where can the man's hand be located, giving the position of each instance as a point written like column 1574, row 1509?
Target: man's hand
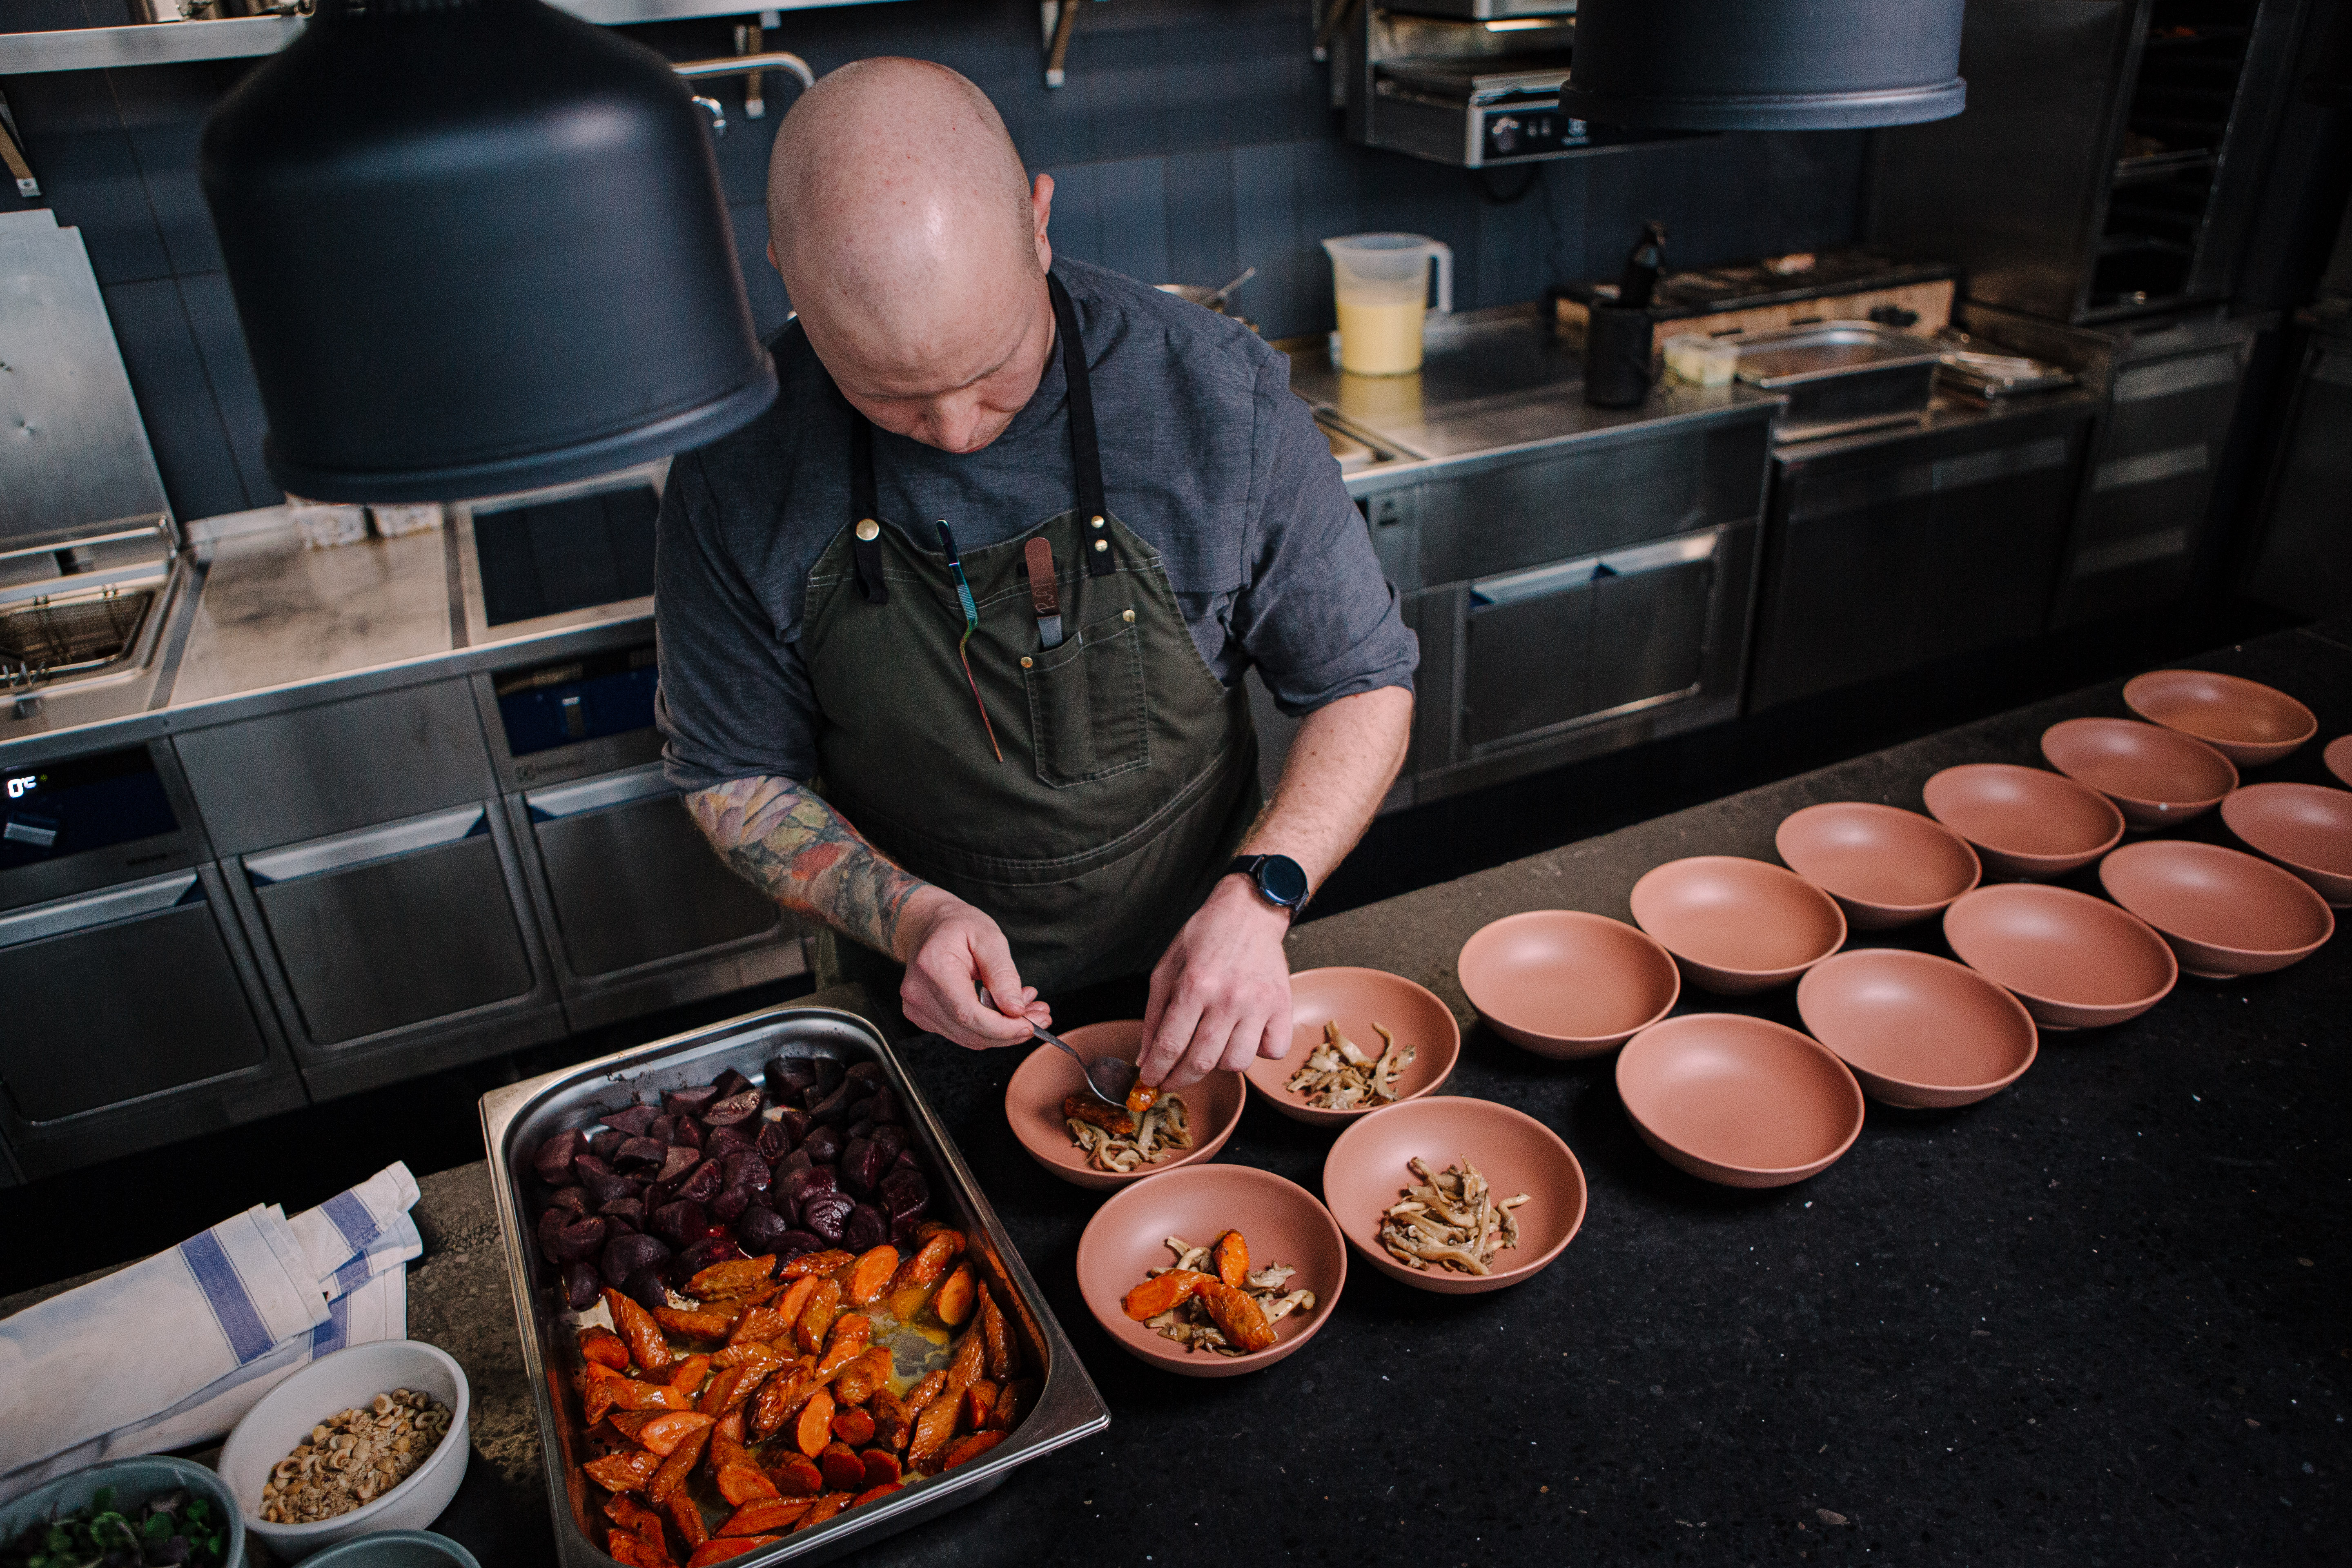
column 951, row 951
column 1221, row 993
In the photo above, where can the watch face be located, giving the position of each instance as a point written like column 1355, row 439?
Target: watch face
column 1283, row 880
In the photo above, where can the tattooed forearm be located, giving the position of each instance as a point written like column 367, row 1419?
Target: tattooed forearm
column 801, row 853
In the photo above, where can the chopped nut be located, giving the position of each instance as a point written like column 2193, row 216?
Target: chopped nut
column 355, row 1457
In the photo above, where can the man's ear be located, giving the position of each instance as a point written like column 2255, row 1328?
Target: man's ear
column 1040, row 204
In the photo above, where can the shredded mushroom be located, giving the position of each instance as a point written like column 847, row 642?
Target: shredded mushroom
column 1339, row 1075
column 1449, row 1218
column 1163, row 1130
column 1189, row 1323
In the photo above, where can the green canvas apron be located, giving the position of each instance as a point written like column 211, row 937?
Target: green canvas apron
column 1129, row 770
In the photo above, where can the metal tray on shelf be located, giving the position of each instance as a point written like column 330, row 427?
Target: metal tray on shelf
column 1839, row 375
column 517, row 1118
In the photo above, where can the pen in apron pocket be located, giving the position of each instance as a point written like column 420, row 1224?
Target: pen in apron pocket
column 971, row 624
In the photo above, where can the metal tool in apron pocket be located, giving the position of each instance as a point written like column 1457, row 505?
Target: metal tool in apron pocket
column 1045, row 592
column 971, row 624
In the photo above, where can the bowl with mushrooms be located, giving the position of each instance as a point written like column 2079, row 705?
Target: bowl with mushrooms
column 1455, row 1195
column 1361, row 1039
column 371, row 1437
column 1090, row 1144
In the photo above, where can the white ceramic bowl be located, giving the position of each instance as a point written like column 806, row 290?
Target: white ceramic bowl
column 272, row 1429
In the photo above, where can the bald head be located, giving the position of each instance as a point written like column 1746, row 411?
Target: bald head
column 914, row 247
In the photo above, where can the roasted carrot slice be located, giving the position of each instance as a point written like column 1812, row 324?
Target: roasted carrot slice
column 728, row 1546
column 626, row 1471
column 693, row 1325
column 631, row 1394
column 664, row 1432
column 852, row 1426
column 816, row 1318
column 929, row 1261
column 687, row 1514
column 816, row 1428
column 758, row 1323
column 1011, row 1401
column 741, row 1484
column 596, row 1399
column 785, row 1393
column 851, row 1333
column 855, row 1383
column 759, row 1517
column 979, row 1401
column 824, row 1508
column 749, row 1352
column 1161, row 1293
column 602, row 1346
column 1001, row 1353
column 1230, row 1258
column 636, row 1325
column 871, row 1493
column 685, row 1375
column 721, row 1393
column 932, row 1386
column 870, row 1274
column 969, row 1448
column 843, row 1471
column 671, row 1478
column 953, row 1302
column 881, row 1468
column 823, row 1262
column 736, row 1276
column 796, row 1474
column 727, row 1444
column 933, row 1426
column 631, row 1552
column 892, row 1420
column 636, row 1518
column 970, row 1360
column 1237, row 1316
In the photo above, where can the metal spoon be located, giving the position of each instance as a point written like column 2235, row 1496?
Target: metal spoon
column 1109, row 1078
column 1216, row 301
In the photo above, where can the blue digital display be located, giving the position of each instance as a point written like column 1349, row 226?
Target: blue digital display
column 88, row 803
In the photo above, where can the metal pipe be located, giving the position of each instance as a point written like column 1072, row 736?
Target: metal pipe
column 744, row 65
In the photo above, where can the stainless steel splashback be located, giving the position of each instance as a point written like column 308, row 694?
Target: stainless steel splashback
column 74, row 457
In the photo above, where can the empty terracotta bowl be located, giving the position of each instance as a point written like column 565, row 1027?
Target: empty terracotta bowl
column 1033, row 1104
column 1919, row 1031
column 2157, row 777
column 2246, row 722
column 1359, row 998
column 2307, row 829
column 2076, row 962
column 1885, row 867
column 2225, row 913
column 2339, row 757
column 1367, row 1171
column 1280, row 1220
column 1737, row 926
column 1738, row 1100
column 1563, row 982
column 2025, row 822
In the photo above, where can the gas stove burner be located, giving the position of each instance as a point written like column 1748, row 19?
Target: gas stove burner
column 54, row 636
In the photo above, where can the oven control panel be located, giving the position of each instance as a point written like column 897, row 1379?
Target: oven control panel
column 1521, row 132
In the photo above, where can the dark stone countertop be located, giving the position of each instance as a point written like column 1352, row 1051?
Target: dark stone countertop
column 2095, row 1320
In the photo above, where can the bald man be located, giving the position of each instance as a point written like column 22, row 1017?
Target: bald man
column 953, row 637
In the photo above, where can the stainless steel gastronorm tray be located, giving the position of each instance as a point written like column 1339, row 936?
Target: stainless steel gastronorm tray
column 516, row 1118
column 1839, row 375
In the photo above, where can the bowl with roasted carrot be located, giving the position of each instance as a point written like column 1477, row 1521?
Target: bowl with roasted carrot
column 1212, row 1271
column 1090, row 1143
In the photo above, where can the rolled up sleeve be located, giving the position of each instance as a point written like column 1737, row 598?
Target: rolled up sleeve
column 1317, row 616
column 734, row 699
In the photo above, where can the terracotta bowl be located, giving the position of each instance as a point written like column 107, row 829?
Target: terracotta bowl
column 1737, row 926
column 1885, row 867
column 1919, row 1031
column 2026, row 822
column 2225, row 913
column 2157, row 777
column 1033, row 1104
column 2076, row 962
column 1565, row 983
column 1366, row 1172
column 2339, row 757
column 1359, row 998
column 1281, row 1221
column 2246, row 722
column 1738, row 1100
column 2307, row 829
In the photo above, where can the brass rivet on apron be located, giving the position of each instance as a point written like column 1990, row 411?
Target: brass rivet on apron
column 1102, row 545
column 1097, row 521
column 868, row 530
column 1026, row 662
column 1127, row 615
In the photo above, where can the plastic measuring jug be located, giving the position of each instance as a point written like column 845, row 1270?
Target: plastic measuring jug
column 1382, row 284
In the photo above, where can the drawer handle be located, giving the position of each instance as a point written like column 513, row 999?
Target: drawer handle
column 428, row 832
column 645, row 783
column 100, row 908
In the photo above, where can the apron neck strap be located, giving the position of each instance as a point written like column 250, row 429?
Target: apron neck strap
column 1086, row 453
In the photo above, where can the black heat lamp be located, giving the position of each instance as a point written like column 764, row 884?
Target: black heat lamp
column 1765, row 65
column 476, row 245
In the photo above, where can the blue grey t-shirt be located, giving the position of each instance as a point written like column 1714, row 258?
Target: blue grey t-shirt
column 1206, row 455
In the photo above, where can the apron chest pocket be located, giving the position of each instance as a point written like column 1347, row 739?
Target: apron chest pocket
column 1086, row 706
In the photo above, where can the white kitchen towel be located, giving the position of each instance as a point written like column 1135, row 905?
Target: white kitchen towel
column 172, row 1351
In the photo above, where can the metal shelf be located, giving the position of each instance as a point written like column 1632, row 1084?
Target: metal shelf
column 166, row 42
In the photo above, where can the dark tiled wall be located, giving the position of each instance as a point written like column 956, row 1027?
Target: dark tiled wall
column 1194, row 139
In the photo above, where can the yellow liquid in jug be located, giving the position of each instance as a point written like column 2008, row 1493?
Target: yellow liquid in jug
column 1380, row 340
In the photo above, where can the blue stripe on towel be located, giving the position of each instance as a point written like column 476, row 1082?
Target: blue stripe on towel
column 352, row 1217
column 331, row 1335
column 232, row 1306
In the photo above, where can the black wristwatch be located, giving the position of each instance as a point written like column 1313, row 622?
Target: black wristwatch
column 1279, row 880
